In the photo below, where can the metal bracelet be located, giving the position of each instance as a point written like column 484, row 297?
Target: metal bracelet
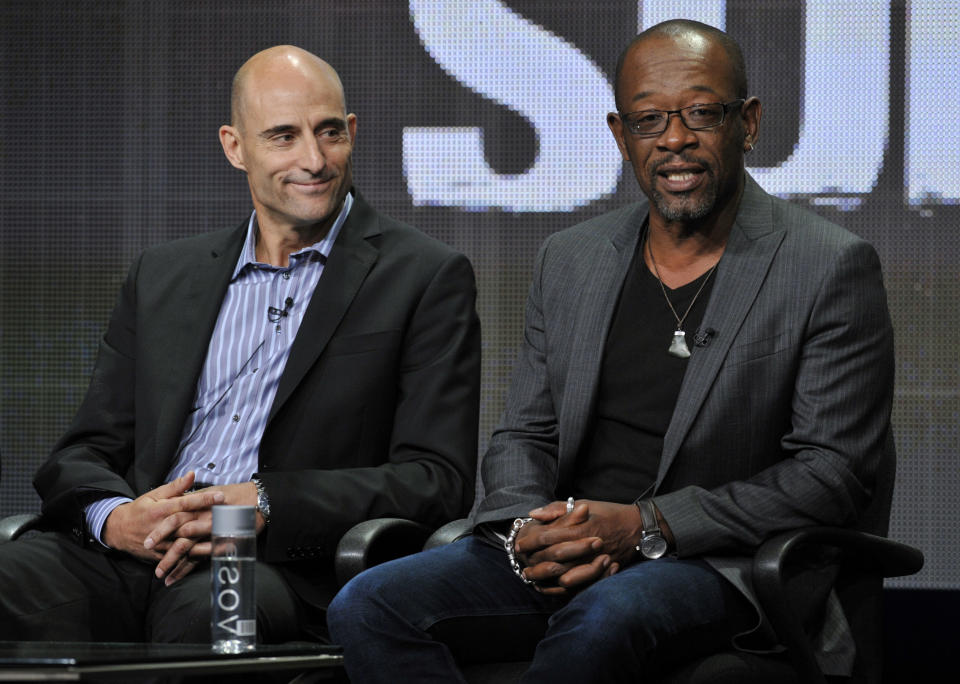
column 512, row 552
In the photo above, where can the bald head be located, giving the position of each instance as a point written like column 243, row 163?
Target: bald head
column 284, row 62
column 685, row 29
column 292, row 136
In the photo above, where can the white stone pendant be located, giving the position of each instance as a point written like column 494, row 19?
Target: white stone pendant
column 678, row 345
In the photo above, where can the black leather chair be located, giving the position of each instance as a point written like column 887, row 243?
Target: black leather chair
column 13, row 526
column 859, row 562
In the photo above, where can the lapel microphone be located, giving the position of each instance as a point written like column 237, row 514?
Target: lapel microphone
column 274, row 314
column 702, row 338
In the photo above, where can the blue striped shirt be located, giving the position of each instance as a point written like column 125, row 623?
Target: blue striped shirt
column 258, row 322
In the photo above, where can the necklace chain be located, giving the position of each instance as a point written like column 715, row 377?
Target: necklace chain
column 680, row 319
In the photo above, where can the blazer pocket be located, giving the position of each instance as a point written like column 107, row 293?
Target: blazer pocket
column 359, row 344
column 758, row 349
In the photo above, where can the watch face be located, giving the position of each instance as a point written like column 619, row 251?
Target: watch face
column 653, row 546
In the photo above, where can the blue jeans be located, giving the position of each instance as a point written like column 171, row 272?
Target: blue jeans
column 417, row 618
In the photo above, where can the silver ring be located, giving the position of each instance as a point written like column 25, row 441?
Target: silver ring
column 570, row 505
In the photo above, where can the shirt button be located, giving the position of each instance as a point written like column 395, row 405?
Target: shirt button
column 236, row 418
column 286, row 275
column 211, row 466
column 254, row 370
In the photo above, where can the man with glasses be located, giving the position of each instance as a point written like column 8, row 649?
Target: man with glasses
column 699, row 371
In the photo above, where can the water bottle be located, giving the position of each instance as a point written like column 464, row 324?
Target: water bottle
column 233, row 620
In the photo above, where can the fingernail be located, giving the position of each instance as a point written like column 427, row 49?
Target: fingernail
column 218, row 497
column 148, row 543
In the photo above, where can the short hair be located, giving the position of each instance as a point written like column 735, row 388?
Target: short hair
column 678, row 27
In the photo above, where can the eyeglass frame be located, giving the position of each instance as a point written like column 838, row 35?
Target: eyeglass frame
column 679, row 112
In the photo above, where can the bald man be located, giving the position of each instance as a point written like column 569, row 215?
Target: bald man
column 699, row 371
column 319, row 362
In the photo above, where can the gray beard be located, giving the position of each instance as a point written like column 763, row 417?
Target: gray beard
column 685, row 209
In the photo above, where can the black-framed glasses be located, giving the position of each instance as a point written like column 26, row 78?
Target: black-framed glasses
column 695, row 117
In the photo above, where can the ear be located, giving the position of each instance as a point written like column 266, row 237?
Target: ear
column 230, row 142
column 352, row 127
column 752, row 111
column 616, row 127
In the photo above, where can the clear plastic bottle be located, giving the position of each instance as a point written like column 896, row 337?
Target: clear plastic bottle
column 233, row 619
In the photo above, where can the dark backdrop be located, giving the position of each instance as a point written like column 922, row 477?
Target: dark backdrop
column 108, row 143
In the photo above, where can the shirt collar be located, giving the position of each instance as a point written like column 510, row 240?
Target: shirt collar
column 248, row 255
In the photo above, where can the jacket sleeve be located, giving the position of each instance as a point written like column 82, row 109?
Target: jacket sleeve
column 91, row 459
column 519, row 469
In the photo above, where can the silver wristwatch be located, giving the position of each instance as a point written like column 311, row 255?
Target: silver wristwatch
column 652, row 544
column 263, row 501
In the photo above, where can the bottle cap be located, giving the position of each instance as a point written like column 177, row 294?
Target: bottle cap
column 230, row 521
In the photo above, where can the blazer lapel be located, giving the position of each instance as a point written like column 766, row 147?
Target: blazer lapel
column 597, row 293
column 350, row 260
column 750, row 250
column 209, row 273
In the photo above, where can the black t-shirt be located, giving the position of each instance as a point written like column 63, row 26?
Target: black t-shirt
column 639, row 385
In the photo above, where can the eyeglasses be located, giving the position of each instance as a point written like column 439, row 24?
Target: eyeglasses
column 695, row 117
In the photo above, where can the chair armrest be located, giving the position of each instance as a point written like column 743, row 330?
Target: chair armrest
column 878, row 555
column 869, row 553
column 13, row 526
column 449, row 533
column 376, row 541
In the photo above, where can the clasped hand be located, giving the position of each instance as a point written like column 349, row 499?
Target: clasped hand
column 564, row 552
column 171, row 526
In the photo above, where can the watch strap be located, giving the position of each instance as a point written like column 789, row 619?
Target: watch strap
column 648, row 517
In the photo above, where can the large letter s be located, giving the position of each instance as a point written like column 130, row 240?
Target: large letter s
column 516, row 63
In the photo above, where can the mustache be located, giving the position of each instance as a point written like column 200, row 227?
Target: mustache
column 655, row 166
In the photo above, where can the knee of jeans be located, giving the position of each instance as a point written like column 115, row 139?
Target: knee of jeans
column 340, row 607
column 623, row 622
column 353, row 599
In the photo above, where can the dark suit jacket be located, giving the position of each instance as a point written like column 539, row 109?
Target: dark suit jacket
column 376, row 413
column 781, row 420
